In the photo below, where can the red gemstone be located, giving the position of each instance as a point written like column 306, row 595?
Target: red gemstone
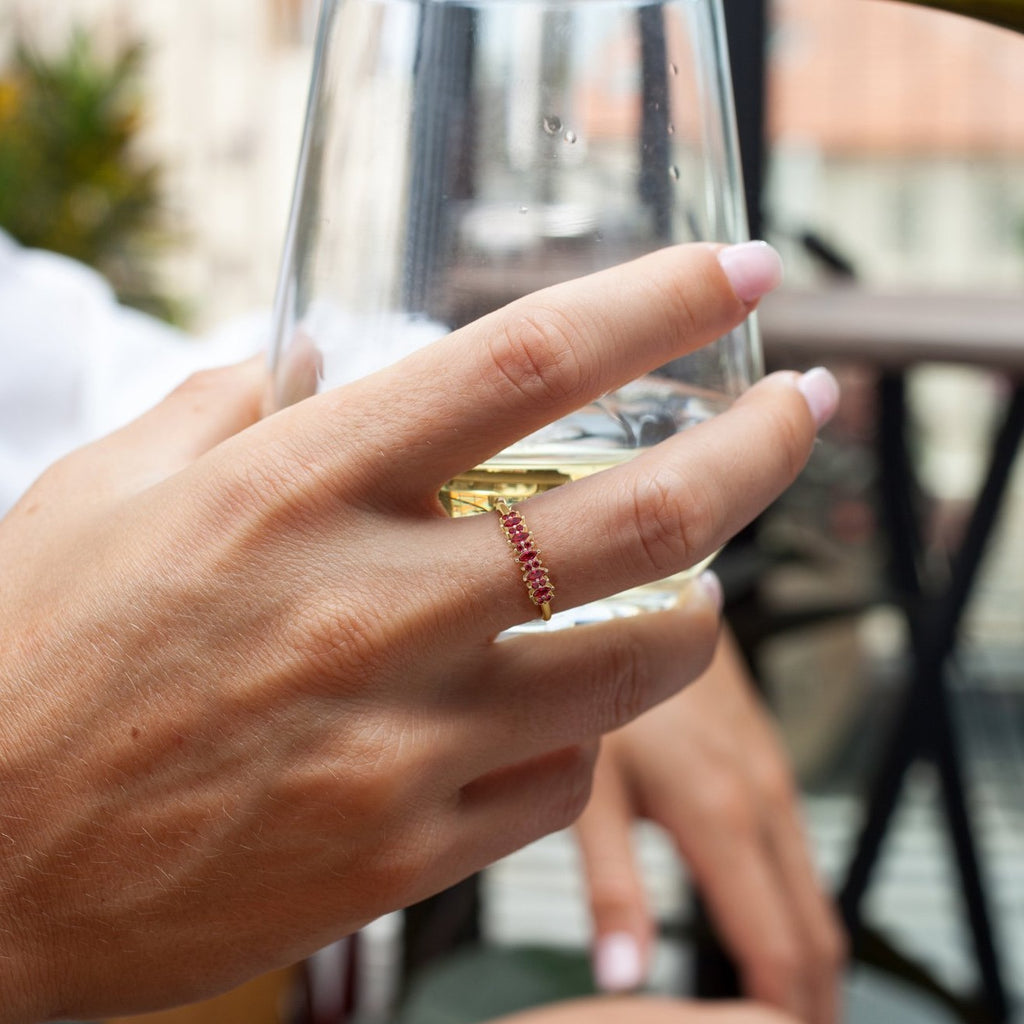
column 543, row 596
column 527, row 555
column 537, row 576
column 512, row 519
column 518, row 536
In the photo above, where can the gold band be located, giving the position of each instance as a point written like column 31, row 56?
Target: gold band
column 524, row 550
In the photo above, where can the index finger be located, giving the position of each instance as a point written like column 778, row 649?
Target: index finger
column 542, row 357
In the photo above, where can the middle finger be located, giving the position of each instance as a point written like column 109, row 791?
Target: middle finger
column 522, row 367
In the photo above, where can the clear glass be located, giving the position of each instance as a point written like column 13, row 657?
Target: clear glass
column 458, row 155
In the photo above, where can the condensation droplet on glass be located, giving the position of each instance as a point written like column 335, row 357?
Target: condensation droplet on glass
column 524, row 209
column 671, row 128
column 570, row 137
column 674, row 69
column 674, row 171
column 552, row 125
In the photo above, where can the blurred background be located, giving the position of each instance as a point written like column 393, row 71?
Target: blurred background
column 157, row 141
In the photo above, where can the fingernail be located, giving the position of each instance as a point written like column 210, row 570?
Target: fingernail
column 712, row 588
column 617, row 966
column 753, row 269
column 821, row 391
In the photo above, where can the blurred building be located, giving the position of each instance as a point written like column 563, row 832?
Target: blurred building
column 898, row 134
column 895, row 134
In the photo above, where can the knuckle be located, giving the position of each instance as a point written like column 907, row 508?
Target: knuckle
column 571, row 790
column 403, row 861
column 776, row 969
column 776, row 788
column 276, row 483
column 677, row 292
column 672, row 520
column 727, row 801
column 215, row 381
column 791, row 442
column 340, row 643
column 537, row 355
column 57, row 477
column 632, row 682
column 204, row 383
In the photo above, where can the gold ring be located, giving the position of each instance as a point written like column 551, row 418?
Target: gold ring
column 524, row 550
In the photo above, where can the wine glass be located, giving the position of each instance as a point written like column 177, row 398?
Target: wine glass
column 458, row 154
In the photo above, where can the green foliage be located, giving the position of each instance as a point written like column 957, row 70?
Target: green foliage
column 71, row 179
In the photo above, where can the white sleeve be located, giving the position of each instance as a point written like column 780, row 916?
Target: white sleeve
column 74, row 364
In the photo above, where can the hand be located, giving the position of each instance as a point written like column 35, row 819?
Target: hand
column 708, row 766
column 644, row 1010
column 251, row 696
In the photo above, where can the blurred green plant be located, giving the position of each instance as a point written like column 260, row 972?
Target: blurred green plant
column 72, row 179
column 1005, row 13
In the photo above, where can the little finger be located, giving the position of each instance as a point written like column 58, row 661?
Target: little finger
column 540, row 692
column 615, row 891
column 823, row 936
column 511, row 807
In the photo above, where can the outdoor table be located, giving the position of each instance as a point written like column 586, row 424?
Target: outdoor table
column 895, row 333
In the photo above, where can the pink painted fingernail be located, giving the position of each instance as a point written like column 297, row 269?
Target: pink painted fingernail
column 617, row 965
column 821, row 391
column 753, row 269
column 712, row 588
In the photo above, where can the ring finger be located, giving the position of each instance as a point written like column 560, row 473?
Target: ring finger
column 545, row 691
column 662, row 512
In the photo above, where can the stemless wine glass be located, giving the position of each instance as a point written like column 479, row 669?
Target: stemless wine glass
column 461, row 153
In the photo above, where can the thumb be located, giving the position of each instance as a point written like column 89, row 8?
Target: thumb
column 208, row 408
column 618, row 902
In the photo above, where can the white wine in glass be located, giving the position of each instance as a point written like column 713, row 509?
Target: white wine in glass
column 457, row 156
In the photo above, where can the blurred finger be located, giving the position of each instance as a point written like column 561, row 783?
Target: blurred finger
column 736, row 875
column 615, row 892
column 823, row 937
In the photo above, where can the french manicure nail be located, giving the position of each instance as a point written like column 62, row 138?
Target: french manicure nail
column 821, row 391
column 753, row 269
column 712, row 588
column 617, row 966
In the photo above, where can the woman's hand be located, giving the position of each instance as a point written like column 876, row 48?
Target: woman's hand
column 251, row 694
column 707, row 766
